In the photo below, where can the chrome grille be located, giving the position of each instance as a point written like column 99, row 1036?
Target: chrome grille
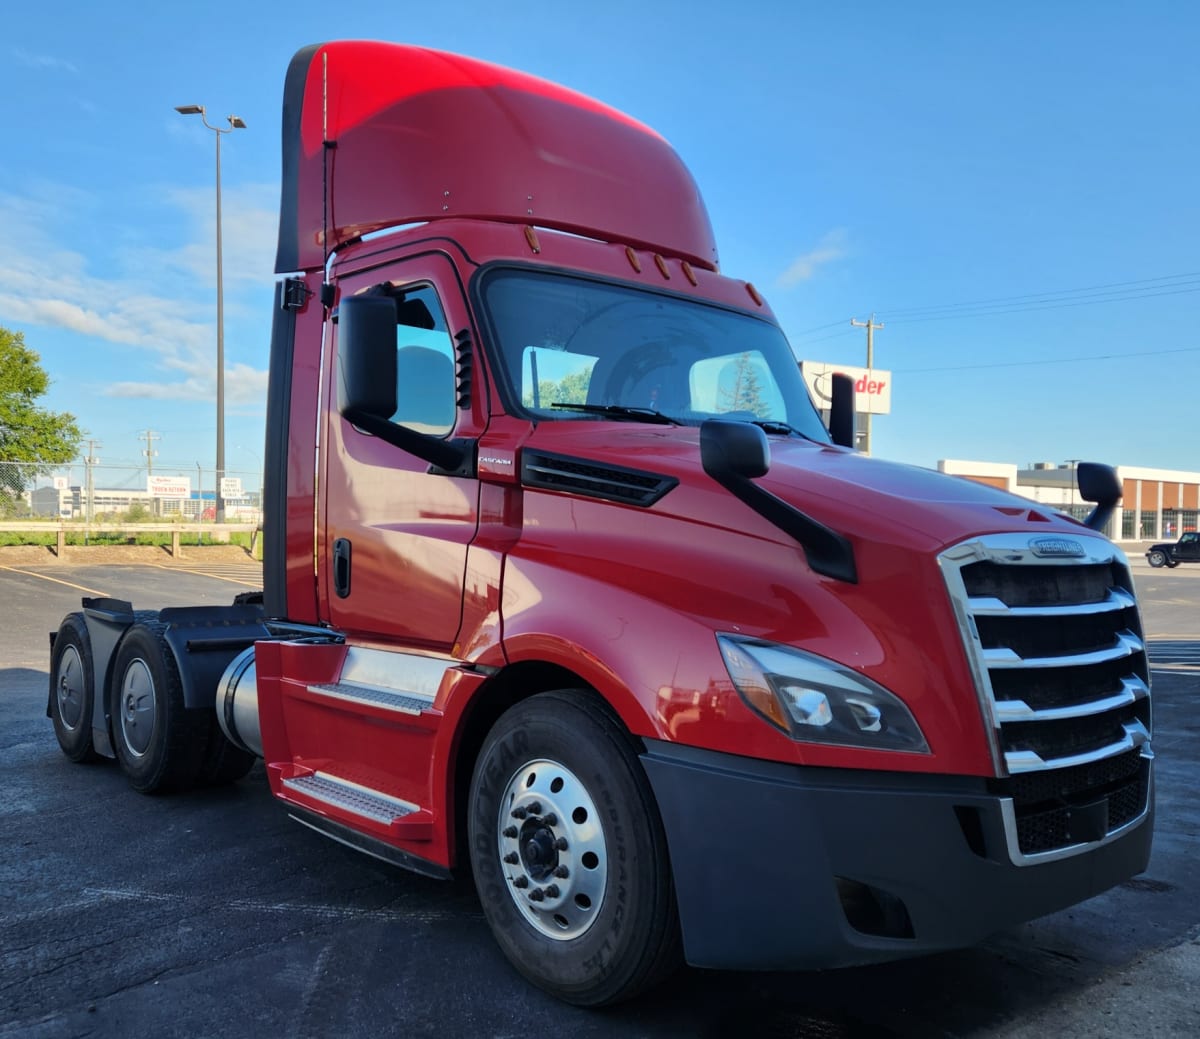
column 1059, row 660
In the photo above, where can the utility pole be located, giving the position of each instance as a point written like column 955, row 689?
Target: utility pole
column 90, row 484
column 870, row 325
column 149, row 436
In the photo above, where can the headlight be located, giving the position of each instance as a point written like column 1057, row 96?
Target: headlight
column 816, row 700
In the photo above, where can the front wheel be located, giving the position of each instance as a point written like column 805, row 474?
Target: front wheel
column 568, row 851
column 1156, row 558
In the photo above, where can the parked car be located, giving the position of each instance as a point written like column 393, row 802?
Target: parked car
column 1185, row 550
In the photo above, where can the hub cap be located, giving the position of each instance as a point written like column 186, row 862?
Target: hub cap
column 552, row 849
column 69, row 689
column 136, row 708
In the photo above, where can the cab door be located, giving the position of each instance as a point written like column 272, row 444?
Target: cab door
column 393, row 545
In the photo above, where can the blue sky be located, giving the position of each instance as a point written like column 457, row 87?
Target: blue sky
column 1011, row 189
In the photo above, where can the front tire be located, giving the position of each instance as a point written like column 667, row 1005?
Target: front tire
column 569, row 854
column 159, row 743
column 1156, row 558
column 72, row 693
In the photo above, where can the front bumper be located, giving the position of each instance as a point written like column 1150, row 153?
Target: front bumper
column 782, row 867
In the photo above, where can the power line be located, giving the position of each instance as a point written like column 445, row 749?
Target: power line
column 1078, row 301
column 1048, row 295
column 1088, row 295
column 1045, row 361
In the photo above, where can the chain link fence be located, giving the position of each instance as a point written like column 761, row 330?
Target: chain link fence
column 95, row 493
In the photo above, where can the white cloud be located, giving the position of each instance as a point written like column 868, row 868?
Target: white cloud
column 42, row 61
column 144, row 298
column 832, row 246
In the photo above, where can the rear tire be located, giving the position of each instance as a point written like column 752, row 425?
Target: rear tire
column 1156, row 558
column 159, row 742
column 72, row 691
column 569, row 854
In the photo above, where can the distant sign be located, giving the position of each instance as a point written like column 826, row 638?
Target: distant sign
column 169, row 486
column 60, row 483
column 231, row 486
column 872, row 387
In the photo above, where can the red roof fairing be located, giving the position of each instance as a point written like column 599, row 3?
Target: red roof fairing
column 422, row 135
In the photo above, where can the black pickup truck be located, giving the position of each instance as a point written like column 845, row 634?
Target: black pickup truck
column 1185, row 550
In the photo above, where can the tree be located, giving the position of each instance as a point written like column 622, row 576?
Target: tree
column 29, row 434
column 741, row 388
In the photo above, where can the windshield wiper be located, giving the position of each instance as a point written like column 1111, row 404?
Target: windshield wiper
column 621, row 411
column 768, row 425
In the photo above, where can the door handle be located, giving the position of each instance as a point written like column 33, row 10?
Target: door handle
column 341, row 567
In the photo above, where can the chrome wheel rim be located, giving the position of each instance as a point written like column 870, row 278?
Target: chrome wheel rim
column 552, row 849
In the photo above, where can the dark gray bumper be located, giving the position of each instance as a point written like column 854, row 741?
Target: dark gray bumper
column 925, row 865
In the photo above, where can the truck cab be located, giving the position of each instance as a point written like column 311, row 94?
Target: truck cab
column 567, row 584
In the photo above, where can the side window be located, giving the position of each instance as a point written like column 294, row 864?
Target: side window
column 425, row 395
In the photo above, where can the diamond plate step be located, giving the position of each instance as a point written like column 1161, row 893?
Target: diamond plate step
column 350, row 797
column 390, row 700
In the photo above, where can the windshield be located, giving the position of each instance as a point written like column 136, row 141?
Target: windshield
column 612, row 351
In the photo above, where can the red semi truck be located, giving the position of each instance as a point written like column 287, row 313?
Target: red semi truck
column 567, row 584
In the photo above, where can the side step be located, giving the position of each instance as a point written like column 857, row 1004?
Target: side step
column 388, row 699
column 405, row 820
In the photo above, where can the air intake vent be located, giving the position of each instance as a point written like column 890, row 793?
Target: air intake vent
column 579, row 476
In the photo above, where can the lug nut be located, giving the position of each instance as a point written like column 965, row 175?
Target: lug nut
column 561, row 844
column 536, row 895
column 562, row 872
column 535, row 808
column 551, row 819
column 519, row 813
column 551, row 890
column 512, row 858
column 521, row 882
column 511, row 832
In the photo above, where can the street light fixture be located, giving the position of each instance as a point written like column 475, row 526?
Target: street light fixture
column 235, row 123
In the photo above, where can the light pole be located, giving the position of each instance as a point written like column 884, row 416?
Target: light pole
column 235, row 123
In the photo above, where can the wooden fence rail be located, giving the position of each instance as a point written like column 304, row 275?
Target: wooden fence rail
column 62, row 529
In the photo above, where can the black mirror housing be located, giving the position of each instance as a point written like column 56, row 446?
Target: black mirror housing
column 731, row 448
column 367, row 356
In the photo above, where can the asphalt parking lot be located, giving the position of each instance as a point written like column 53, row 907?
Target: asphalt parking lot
column 212, row 914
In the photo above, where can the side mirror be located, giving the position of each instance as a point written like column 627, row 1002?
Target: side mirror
column 729, row 448
column 367, row 356
column 366, row 374
column 841, row 410
column 1098, row 483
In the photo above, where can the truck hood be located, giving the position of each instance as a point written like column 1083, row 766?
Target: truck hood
column 854, row 495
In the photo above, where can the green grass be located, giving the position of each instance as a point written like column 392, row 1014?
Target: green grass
column 154, row 538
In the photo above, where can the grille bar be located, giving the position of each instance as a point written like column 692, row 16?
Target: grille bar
column 988, row 606
column 1132, row 690
column 1018, row 761
column 1127, row 645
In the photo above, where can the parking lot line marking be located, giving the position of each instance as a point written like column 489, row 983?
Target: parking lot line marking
column 208, row 573
column 30, row 573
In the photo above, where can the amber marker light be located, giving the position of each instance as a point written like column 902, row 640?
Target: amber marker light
column 661, row 264
column 689, row 273
column 754, row 294
column 532, row 238
column 632, row 257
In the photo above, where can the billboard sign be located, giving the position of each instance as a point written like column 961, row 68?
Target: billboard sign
column 169, row 486
column 873, row 386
